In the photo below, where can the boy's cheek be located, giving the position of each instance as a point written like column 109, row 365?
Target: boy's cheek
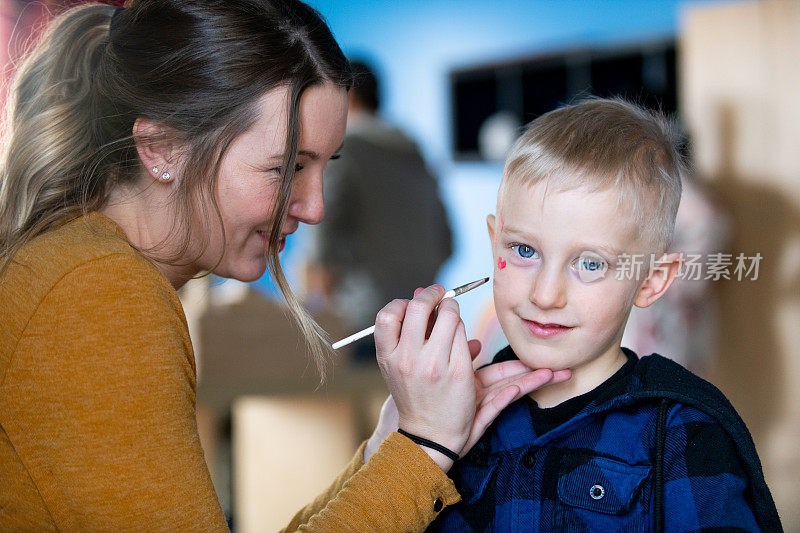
column 506, row 285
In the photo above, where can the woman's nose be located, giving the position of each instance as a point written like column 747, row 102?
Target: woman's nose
column 306, row 202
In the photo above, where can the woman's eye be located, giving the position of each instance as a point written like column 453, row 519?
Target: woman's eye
column 525, row 251
column 590, row 268
column 279, row 170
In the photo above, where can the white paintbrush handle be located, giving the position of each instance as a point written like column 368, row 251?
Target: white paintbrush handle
column 370, row 330
column 354, row 337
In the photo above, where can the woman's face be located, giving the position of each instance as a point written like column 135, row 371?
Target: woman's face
column 249, row 179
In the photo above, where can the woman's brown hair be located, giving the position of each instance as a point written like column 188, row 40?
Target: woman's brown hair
column 197, row 67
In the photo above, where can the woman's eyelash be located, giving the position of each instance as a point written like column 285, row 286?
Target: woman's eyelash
column 279, row 170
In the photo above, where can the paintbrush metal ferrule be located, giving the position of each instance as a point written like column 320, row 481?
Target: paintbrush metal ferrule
column 467, row 287
column 452, row 293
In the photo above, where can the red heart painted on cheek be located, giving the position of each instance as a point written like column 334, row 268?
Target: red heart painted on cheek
column 501, row 263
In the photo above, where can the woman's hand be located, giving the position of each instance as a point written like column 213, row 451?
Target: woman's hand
column 387, row 423
column 429, row 372
column 430, row 378
column 497, row 386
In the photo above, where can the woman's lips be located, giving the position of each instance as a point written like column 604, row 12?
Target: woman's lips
column 545, row 330
column 265, row 240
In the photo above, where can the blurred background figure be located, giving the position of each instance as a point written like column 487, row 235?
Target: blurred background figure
column 386, row 230
column 702, row 228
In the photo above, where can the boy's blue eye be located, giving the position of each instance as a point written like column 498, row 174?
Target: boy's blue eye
column 525, row 251
column 590, row 267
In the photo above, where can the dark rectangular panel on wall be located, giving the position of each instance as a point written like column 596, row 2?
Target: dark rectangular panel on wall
column 618, row 75
column 474, row 99
column 521, row 90
column 544, row 87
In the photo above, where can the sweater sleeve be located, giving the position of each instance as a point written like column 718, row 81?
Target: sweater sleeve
column 705, row 485
column 399, row 489
column 103, row 380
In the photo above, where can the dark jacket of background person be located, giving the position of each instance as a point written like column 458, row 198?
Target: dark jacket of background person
column 385, row 231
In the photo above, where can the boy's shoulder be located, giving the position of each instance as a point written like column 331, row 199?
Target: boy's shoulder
column 660, row 377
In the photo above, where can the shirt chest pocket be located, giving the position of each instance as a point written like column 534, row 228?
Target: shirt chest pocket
column 600, row 484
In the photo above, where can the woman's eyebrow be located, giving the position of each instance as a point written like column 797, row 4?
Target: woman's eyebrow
column 312, row 155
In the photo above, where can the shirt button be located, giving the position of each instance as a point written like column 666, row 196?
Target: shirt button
column 597, row 492
column 529, row 459
column 437, row 505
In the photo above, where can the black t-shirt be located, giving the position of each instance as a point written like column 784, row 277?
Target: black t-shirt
column 546, row 419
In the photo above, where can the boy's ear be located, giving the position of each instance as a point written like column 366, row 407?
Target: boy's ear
column 490, row 225
column 659, row 280
column 156, row 146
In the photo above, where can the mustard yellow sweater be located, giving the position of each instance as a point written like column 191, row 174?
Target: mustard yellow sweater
column 97, row 400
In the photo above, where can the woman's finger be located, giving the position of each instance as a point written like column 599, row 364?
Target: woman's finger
column 418, row 312
column 460, row 360
column 486, row 414
column 474, row 348
column 444, row 330
column 388, row 324
column 561, row 375
column 528, row 383
column 493, row 374
column 430, row 319
column 506, row 390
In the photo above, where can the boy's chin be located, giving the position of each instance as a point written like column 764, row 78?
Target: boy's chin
column 537, row 361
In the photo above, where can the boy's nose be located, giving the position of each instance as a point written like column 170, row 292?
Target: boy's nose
column 548, row 290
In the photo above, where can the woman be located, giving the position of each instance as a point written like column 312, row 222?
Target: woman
column 147, row 145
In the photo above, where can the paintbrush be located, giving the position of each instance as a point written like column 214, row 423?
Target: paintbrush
column 452, row 293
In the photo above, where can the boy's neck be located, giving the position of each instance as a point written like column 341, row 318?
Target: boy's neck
column 584, row 379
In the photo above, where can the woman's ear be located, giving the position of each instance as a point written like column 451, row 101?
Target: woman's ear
column 157, row 148
column 659, row 280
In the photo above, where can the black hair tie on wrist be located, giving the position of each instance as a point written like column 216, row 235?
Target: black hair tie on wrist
column 430, row 444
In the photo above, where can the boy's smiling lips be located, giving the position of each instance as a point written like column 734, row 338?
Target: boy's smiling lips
column 546, row 330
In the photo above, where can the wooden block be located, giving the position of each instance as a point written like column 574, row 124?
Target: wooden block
column 286, row 450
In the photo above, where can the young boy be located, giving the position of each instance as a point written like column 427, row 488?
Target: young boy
column 589, row 194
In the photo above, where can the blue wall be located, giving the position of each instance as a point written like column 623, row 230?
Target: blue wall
column 417, row 42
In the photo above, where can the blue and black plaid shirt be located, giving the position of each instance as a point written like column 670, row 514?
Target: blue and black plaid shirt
column 597, row 470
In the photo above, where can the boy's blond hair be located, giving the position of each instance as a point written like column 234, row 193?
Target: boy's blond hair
column 600, row 144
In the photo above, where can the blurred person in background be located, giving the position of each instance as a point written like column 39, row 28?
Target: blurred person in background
column 385, row 231
column 148, row 145
column 702, row 228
